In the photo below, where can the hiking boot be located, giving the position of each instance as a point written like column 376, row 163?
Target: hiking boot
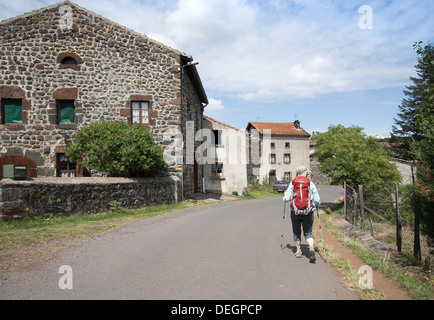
column 312, row 257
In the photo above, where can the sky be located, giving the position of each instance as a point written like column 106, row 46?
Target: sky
column 323, row 62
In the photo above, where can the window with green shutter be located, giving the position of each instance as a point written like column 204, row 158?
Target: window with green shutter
column 12, row 110
column 66, row 111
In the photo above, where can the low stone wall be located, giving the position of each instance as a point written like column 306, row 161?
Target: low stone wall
column 359, row 235
column 59, row 196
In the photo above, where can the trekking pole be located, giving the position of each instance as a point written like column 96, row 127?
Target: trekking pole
column 320, row 230
column 283, row 225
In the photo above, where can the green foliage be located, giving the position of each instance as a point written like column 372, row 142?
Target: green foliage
column 417, row 108
column 116, row 149
column 348, row 155
column 422, row 147
column 115, row 206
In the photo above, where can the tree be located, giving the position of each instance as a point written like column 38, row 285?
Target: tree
column 422, row 147
column 116, row 149
column 348, row 155
column 417, row 106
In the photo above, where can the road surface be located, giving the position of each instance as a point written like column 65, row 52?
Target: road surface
column 228, row 251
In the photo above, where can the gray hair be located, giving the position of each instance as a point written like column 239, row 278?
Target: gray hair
column 301, row 171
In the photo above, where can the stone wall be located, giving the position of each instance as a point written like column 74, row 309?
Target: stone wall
column 317, row 176
column 57, row 196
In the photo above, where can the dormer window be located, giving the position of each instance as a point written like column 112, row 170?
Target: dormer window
column 69, row 60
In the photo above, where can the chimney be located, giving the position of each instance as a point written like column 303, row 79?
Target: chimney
column 297, row 124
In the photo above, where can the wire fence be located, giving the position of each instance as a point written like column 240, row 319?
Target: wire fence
column 389, row 218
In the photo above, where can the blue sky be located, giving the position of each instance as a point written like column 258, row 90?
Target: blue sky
column 278, row 60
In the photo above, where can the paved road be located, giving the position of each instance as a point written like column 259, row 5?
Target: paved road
column 223, row 251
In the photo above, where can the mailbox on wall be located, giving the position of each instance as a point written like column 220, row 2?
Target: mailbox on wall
column 15, row 171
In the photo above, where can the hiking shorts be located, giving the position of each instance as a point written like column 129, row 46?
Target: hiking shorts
column 299, row 221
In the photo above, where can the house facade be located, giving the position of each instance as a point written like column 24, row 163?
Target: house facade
column 276, row 149
column 63, row 67
column 225, row 172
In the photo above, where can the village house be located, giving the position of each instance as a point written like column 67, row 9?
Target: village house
column 276, row 149
column 63, row 67
column 226, row 171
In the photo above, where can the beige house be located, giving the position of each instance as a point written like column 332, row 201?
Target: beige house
column 226, row 154
column 276, row 149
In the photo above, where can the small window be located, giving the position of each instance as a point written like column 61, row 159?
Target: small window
column 69, row 61
column 12, row 110
column 272, row 158
column 287, row 145
column 272, row 145
column 217, row 169
column 66, row 111
column 217, row 137
column 140, row 112
column 287, row 158
column 66, row 169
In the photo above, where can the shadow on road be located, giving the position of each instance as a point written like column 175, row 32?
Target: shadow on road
column 304, row 250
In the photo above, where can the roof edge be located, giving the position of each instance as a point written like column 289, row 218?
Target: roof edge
column 225, row 124
column 196, row 78
column 67, row 2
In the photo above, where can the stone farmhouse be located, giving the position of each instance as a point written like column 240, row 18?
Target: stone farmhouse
column 276, row 149
column 63, row 67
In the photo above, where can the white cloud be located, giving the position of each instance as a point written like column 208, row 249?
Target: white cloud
column 210, row 22
column 214, row 105
column 316, row 48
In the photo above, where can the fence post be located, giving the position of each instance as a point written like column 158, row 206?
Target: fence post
column 355, row 208
column 362, row 210
column 398, row 222
column 416, row 244
column 345, row 200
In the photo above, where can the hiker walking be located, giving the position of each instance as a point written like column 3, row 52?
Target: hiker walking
column 302, row 194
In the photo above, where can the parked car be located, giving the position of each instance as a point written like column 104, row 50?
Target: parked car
column 281, row 185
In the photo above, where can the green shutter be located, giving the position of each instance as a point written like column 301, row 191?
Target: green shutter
column 67, row 111
column 13, row 111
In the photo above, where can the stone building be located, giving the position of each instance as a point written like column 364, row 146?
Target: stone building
column 225, row 172
column 276, row 150
column 63, row 67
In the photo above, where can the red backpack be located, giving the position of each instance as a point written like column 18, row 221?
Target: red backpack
column 301, row 202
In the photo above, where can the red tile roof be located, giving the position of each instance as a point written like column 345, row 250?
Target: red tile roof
column 279, row 128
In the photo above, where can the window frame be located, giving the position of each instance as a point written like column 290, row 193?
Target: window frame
column 70, row 61
column 217, row 137
column 140, row 102
column 217, row 169
column 64, row 55
column 285, row 156
column 68, row 171
column 58, row 102
column 3, row 111
column 272, row 158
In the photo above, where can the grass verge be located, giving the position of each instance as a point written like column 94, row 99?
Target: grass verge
column 411, row 283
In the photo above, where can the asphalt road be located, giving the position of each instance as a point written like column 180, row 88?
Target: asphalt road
column 227, row 251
